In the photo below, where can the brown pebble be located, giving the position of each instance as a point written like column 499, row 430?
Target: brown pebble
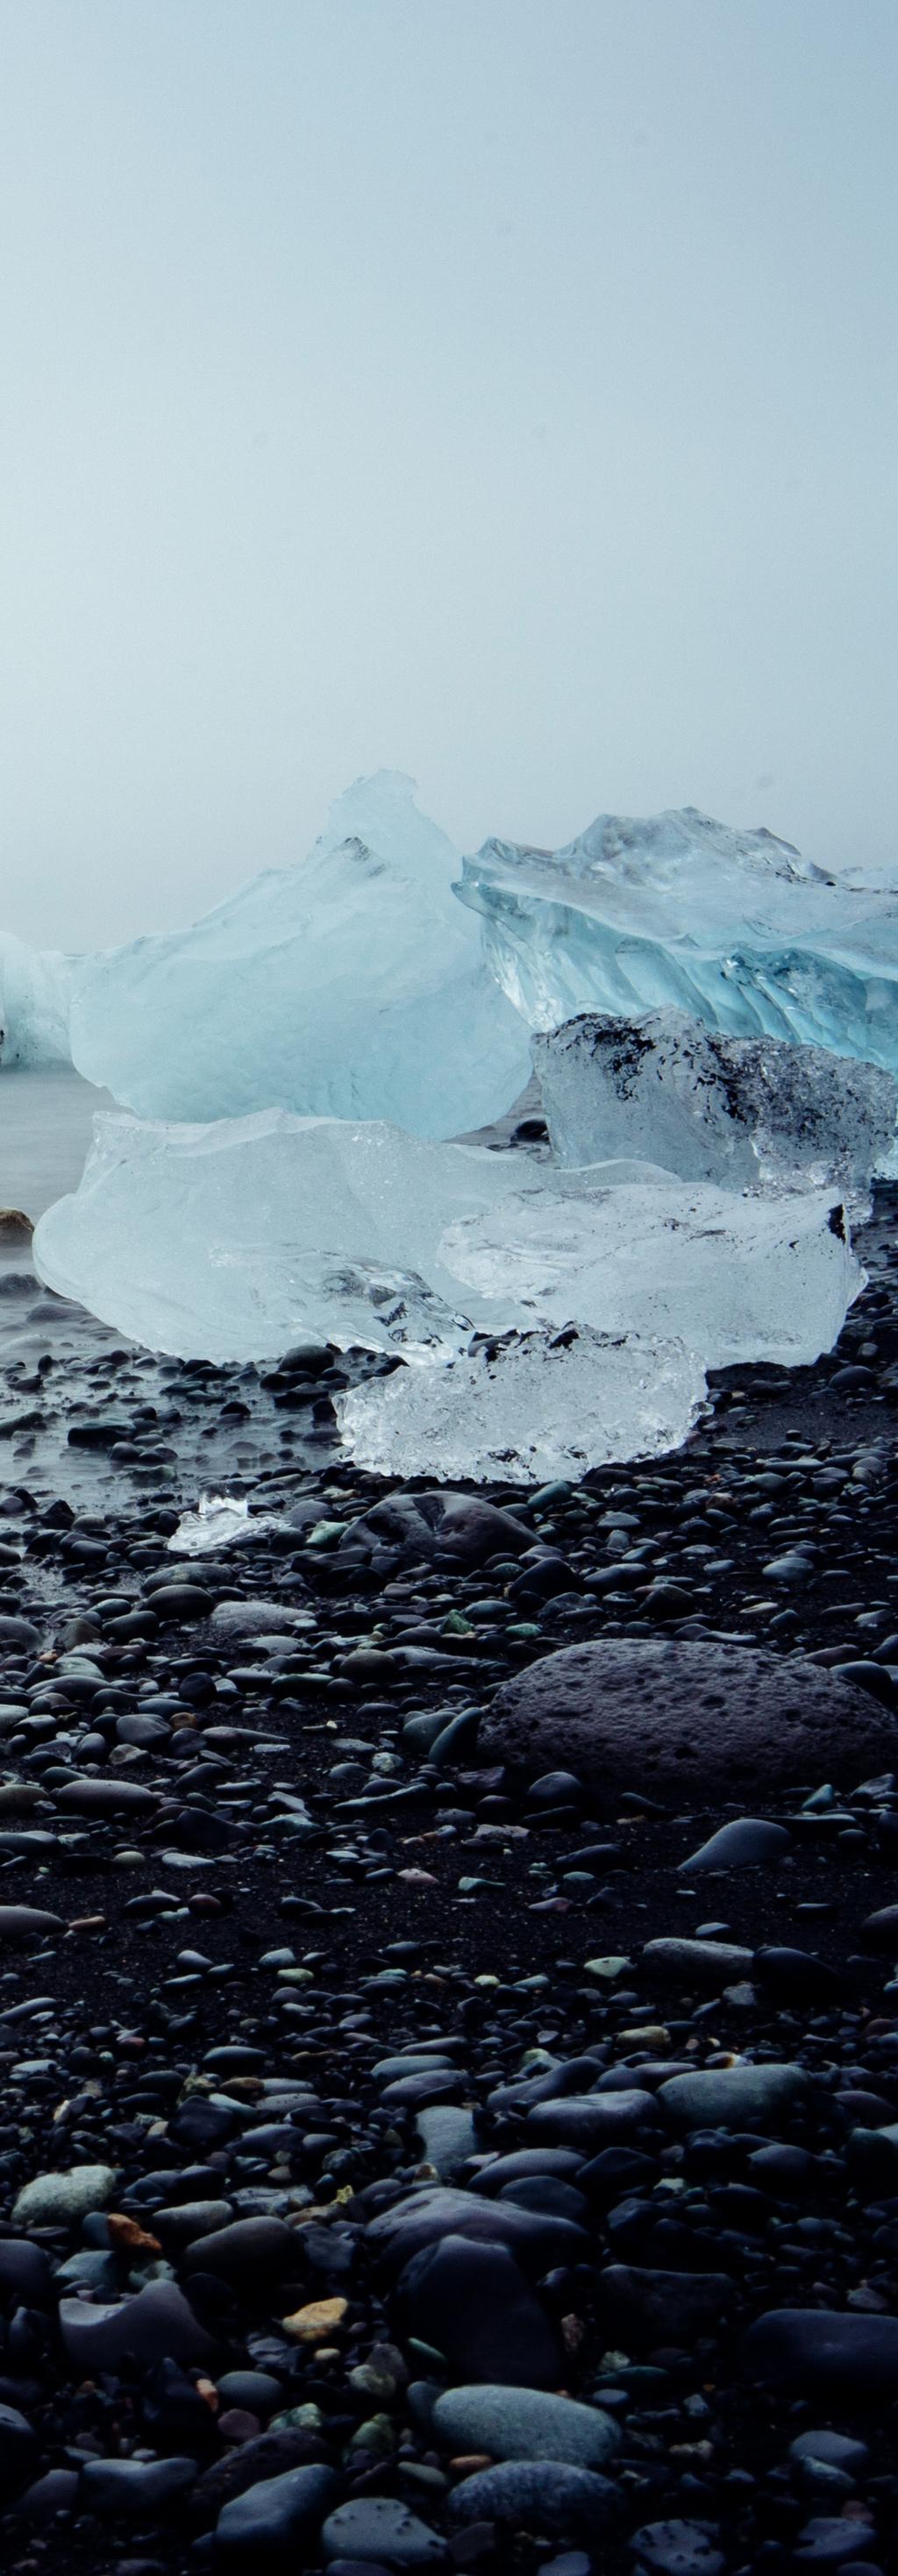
column 128, row 2238
column 320, row 2318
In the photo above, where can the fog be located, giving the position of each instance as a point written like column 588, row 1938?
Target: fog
column 500, row 390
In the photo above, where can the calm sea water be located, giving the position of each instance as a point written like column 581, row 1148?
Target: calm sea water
column 45, row 1130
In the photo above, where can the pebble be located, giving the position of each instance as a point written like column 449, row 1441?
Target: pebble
column 61, row 2199
column 539, row 2496
column 513, row 2423
column 677, row 1960
column 678, row 2549
column 155, row 2324
column 733, row 2097
column 474, row 2304
column 273, row 2518
column 448, row 2137
column 134, row 2490
column 375, row 2530
column 747, row 1843
column 816, row 2350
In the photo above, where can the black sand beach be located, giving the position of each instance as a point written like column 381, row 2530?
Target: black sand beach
column 291, row 1951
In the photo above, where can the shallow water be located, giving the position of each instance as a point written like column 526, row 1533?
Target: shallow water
column 62, row 1372
column 45, row 1129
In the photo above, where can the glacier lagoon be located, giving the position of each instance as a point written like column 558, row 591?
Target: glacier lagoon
column 302, row 1065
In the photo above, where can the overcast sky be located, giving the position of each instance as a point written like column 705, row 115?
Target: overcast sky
column 500, row 390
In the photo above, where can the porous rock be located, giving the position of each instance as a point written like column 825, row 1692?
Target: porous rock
column 684, row 1715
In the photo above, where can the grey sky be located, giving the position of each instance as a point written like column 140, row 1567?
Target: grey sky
column 502, row 390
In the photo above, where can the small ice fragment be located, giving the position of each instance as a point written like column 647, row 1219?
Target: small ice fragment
column 220, row 1520
column 531, row 1410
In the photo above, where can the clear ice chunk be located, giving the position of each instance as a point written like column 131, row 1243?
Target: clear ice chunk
column 734, row 928
column 535, row 1407
column 352, row 985
column 712, row 1107
column 231, row 1241
column 629, row 1249
column 36, row 987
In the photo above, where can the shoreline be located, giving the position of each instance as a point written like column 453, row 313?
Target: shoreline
column 185, row 1876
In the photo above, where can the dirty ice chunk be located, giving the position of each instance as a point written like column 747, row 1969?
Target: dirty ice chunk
column 713, row 1107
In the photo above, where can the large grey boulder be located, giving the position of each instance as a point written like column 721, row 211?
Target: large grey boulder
column 685, row 1718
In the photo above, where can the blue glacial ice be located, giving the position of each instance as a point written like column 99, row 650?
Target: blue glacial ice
column 679, row 912
column 715, row 1026
column 352, row 985
column 710, row 1107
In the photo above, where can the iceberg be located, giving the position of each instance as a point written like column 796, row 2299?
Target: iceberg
column 232, row 1240
column 36, row 987
column 715, row 1108
column 532, row 1408
column 734, row 928
column 351, row 985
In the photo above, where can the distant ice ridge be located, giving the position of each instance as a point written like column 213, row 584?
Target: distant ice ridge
column 230, row 1241
column 715, row 1108
column 36, row 987
column 352, row 985
column 734, row 928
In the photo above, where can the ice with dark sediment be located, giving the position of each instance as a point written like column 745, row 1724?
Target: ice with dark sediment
column 713, row 1107
column 680, row 912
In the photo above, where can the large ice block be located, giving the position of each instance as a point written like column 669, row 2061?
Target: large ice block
column 678, row 911
column 352, row 985
column 538, row 1406
column 230, row 1241
column 713, row 1107
column 36, row 987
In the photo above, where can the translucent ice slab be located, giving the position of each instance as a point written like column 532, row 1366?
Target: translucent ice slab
column 732, row 927
column 735, row 1276
column 231, row 1241
column 712, row 1107
column 535, row 1408
column 352, row 986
